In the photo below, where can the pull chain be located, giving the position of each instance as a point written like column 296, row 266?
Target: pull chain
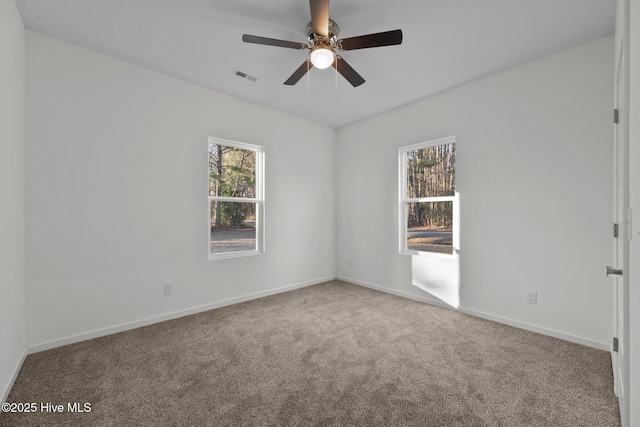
column 336, row 100
column 308, row 82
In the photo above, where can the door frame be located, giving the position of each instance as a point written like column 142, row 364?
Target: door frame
column 620, row 291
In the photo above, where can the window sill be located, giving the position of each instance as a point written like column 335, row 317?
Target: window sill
column 238, row 254
column 411, row 252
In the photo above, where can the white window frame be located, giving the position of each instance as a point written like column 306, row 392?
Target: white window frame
column 258, row 200
column 404, row 202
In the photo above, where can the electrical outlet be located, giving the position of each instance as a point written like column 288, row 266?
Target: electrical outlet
column 168, row 289
column 532, row 297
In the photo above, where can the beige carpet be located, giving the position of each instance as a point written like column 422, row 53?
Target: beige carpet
column 333, row 354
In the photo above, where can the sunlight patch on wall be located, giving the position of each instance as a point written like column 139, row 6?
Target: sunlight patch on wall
column 440, row 277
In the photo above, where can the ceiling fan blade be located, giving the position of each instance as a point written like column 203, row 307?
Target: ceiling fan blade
column 273, row 42
column 297, row 74
column 320, row 17
column 347, row 72
column 386, row 38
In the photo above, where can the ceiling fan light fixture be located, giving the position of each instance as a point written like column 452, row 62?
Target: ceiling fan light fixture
column 322, row 57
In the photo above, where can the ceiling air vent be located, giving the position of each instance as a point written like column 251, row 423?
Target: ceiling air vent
column 244, row 75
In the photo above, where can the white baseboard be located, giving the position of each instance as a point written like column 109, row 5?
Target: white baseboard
column 16, row 370
column 515, row 323
column 427, row 300
column 540, row 330
column 35, row 348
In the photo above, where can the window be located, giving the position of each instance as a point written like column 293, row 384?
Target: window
column 236, row 199
column 428, row 202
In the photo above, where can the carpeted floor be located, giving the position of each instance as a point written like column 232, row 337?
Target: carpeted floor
column 331, row 354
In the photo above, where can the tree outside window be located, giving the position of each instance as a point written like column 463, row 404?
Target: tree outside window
column 235, row 198
column 427, row 197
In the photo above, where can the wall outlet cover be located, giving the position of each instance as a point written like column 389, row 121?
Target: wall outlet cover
column 532, row 297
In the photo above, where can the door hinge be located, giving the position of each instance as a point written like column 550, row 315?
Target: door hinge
column 616, row 116
column 615, row 230
column 615, row 344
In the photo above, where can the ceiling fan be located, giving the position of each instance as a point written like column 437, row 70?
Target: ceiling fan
column 323, row 43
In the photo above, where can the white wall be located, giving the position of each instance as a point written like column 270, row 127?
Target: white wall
column 12, row 312
column 116, row 199
column 534, row 173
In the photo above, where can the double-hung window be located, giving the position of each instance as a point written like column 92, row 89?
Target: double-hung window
column 428, row 202
column 236, row 199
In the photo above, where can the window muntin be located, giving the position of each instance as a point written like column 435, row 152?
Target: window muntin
column 236, row 205
column 428, row 199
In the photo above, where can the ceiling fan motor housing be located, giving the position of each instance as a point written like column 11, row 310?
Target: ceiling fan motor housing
column 334, row 31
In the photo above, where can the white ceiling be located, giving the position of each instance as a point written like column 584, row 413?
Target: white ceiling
column 446, row 43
